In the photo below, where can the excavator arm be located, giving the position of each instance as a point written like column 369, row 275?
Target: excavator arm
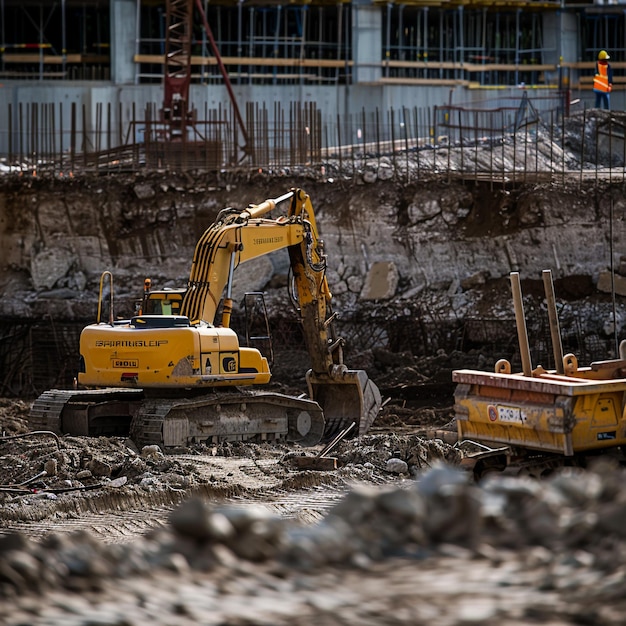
column 345, row 395
column 235, row 237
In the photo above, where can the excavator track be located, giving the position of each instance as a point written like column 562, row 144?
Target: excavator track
column 243, row 416
column 178, row 422
column 85, row 412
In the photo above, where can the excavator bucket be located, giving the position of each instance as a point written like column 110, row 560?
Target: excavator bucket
column 350, row 397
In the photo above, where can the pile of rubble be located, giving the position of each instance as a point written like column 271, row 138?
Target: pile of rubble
column 50, row 477
column 42, row 465
column 569, row 528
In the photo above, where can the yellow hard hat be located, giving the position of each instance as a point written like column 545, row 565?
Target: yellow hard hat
column 603, row 54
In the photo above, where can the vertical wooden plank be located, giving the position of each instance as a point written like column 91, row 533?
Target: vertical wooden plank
column 339, row 146
column 84, row 138
column 61, row 135
column 416, row 123
column 120, row 130
column 503, row 151
column 33, row 132
column 475, row 148
column 406, row 144
column 53, row 147
column 492, row 123
column 109, row 146
column 135, row 145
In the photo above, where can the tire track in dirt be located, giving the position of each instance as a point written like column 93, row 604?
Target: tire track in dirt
column 119, row 515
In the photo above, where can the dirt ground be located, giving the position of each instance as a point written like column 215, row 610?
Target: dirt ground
column 47, row 479
column 234, row 534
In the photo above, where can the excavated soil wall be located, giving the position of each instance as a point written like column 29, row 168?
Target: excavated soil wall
column 418, row 267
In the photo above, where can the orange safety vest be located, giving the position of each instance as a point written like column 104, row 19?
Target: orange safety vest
column 601, row 79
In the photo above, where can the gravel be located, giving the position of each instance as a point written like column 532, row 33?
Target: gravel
column 417, row 542
column 507, row 550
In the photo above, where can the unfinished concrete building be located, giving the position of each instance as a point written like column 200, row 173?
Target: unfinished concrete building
column 107, row 58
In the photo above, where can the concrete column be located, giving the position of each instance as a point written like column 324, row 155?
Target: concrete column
column 561, row 44
column 123, row 40
column 367, row 38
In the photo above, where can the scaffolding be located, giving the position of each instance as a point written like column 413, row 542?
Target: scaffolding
column 471, row 42
column 261, row 44
column 54, row 40
column 465, row 42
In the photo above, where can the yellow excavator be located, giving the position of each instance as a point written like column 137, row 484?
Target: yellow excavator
column 176, row 374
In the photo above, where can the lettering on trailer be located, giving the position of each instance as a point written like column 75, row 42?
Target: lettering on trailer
column 125, row 343
column 258, row 241
column 607, row 436
column 509, row 414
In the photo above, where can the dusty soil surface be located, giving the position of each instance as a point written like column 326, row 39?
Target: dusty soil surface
column 234, row 534
column 69, row 483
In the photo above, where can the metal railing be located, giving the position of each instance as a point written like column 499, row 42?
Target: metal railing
column 505, row 141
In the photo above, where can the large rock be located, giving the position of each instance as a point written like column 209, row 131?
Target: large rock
column 50, row 265
column 381, row 281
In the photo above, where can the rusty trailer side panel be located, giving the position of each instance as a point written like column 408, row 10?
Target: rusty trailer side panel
column 548, row 412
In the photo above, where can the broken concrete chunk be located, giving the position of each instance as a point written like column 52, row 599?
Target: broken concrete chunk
column 381, row 281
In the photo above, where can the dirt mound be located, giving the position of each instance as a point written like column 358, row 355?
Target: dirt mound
column 439, row 551
column 13, row 416
column 417, row 452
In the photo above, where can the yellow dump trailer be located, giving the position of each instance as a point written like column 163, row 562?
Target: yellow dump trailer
column 538, row 419
column 547, row 412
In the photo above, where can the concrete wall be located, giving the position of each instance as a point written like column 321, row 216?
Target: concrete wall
column 367, row 41
column 129, row 102
column 561, row 44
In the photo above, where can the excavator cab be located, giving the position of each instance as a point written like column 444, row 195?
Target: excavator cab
column 160, row 301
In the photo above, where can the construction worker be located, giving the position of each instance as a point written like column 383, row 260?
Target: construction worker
column 603, row 80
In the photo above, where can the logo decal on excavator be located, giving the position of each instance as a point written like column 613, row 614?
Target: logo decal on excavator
column 258, row 241
column 125, row 363
column 229, row 364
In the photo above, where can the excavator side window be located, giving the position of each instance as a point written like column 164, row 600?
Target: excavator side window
column 153, row 307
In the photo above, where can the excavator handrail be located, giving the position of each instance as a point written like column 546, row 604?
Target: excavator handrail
column 99, row 318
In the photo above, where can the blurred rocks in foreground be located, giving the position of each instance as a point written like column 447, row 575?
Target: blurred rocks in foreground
column 571, row 521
